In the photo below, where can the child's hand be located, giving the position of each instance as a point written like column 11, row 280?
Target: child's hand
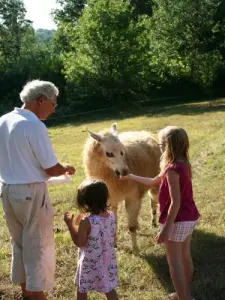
column 69, row 220
column 78, row 219
column 126, row 177
column 163, row 236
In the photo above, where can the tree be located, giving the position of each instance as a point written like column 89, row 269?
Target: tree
column 180, row 36
column 44, row 36
column 112, row 57
column 13, row 26
column 22, row 56
column 69, row 11
column 141, row 7
column 66, row 18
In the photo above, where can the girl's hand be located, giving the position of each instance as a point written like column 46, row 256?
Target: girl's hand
column 126, row 177
column 78, row 219
column 69, row 220
column 163, row 236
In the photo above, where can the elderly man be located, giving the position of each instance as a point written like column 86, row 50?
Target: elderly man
column 27, row 161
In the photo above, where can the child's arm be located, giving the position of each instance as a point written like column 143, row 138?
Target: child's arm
column 174, row 191
column 79, row 236
column 145, row 180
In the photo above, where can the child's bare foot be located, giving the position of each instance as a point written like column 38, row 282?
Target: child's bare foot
column 173, row 296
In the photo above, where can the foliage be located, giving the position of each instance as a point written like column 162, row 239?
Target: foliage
column 13, row 29
column 24, row 54
column 143, row 7
column 110, row 62
column 44, row 36
column 69, row 11
column 181, row 34
column 105, row 52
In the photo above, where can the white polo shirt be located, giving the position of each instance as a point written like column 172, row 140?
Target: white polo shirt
column 25, row 148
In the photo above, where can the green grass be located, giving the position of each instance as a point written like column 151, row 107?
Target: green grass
column 145, row 277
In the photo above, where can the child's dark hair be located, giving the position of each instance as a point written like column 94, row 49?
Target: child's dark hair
column 92, row 196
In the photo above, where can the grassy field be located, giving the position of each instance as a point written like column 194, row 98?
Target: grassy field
column 146, row 276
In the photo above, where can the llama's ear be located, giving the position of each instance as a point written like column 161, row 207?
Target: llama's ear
column 113, row 129
column 95, row 136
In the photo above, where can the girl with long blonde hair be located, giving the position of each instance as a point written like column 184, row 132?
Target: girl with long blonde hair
column 178, row 212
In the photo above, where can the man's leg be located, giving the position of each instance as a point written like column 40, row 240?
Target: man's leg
column 25, row 293
column 16, row 232
column 38, row 296
column 38, row 243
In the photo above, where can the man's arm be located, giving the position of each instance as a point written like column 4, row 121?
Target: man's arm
column 60, row 169
column 42, row 149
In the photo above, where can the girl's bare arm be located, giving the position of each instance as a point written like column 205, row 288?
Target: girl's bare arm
column 80, row 235
column 174, row 190
column 145, row 180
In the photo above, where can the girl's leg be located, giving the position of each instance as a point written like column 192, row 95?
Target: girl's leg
column 187, row 262
column 81, row 296
column 174, row 256
column 112, row 295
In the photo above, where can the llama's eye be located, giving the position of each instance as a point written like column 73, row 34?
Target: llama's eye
column 121, row 152
column 109, row 154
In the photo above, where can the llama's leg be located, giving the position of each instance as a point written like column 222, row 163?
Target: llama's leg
column 153, row 194
column 114, row 210
column 133, row 208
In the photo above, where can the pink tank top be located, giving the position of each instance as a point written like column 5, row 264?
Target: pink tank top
column 188, row 210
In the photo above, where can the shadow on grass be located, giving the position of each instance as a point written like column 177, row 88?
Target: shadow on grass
column 148, row 109
column 208, row 252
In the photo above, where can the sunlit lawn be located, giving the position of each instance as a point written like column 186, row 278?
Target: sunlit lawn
column 145, row 277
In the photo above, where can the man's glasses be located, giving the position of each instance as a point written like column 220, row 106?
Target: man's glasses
column 53, row 102
column 49, row 100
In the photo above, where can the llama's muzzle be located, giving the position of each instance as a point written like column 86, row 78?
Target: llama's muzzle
column 123, row 172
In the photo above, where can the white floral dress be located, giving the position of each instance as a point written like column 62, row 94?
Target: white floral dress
column 97, row 266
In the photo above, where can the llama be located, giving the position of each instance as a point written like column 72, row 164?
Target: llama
column 109, row 155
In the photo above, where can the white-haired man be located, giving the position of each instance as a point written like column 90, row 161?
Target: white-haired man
column 27, row 160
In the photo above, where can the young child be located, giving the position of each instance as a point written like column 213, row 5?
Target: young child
column 178, row 212
column 97, row 266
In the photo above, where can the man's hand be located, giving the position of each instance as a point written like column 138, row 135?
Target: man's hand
column 60, row 169
column 69, row 169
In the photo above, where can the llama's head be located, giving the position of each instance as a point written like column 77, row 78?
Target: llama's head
column 114, row 152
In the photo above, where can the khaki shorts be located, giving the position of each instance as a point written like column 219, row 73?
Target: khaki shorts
column 29, row 217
